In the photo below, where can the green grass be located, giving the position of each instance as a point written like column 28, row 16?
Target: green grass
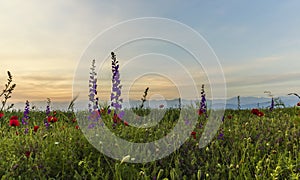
column 252, row 148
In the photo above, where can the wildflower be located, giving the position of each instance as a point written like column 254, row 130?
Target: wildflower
column 76, row 127
column 93, row 101
column 52, row 119
column 193, row 134
column 221, row 135
column 93, row 89
column 14, row 121
column 229, row 116
column 26, row 112
column 116, row 87
column 272, row 104
column 1, row 115
column 17, row 133
column 298, row 104
column 203, row 106
column 35, row 128
column 26, row 130
column 125, row 123
column 260, row 114
column 161, row 106
column 255, row 111
column 48, row 106
column 46, row 123
column 74, row 120
column 27, row 154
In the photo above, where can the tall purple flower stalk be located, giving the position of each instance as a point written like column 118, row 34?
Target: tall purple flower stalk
column 93, row 100
column 46, row 123
column 203, row 107
column 116, row 101
column 26, row 114
column 93, row 104
column 272, row 104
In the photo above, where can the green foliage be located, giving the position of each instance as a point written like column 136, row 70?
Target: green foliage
column 252, row 148
column 7, row 91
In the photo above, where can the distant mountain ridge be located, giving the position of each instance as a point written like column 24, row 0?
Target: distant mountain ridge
column 231, row 103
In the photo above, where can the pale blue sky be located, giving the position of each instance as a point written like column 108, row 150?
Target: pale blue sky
column 257, row 42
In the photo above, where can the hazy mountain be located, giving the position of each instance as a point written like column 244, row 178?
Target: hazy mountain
column 231, row 103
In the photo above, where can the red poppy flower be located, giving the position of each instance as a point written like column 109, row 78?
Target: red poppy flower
column 229, row 116
column 27, row 154
column 35, row 128
column 14, row 121
column 77, row 127
column 200, row 112
column 255, row 111
column 1, row 115
column 125, row 123
column 260, row 114
column 298, row 104
column 161, row 106
column 194, row 134
column 17, row 133
column 74, row 120
column 52, row 119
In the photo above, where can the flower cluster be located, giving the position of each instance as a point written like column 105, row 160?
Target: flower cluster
column 46, row 123
column 116, row 88
column 272, row 104
column 93, row 104
column 203, row 107
column 26, row 113
column 93, row 100
column 257, row 112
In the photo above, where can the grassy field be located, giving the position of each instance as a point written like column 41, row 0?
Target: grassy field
column 246, row 146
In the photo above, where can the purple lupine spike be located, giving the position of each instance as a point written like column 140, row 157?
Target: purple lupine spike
column 26, row 113
column 203, row 107
column 272, row 104
column 94, row 116
column 116, row 101
column 46, row 123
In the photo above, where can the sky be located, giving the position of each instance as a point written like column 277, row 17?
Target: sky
column 46, row 45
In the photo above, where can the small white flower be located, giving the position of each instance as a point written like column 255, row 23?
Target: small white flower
column 56, row 143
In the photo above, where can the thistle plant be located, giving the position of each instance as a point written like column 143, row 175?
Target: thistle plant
column 7, row 91
column 144, row 97
column 116, row 101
